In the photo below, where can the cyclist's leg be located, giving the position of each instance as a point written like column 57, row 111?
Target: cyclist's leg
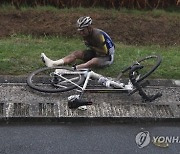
column 93, row 60
column 66, row 60
column 91, row 63
column 97, row 62
column 90, row 59
column 105, row 60
column 70, row 58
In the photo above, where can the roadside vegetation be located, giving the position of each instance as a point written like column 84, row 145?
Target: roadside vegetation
column 20, row 54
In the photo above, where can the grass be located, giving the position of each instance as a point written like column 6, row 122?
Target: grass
column 20, row 55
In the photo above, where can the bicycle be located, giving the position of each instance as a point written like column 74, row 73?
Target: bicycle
column 62, row 79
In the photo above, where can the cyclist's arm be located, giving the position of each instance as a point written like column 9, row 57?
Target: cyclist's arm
column 101, row 45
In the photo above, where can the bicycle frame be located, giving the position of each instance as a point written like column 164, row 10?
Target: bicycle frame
column 109, row 83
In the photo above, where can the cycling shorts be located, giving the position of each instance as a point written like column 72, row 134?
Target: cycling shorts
column 102, row 60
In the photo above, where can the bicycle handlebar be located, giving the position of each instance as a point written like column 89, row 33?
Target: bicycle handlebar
column 139, row 87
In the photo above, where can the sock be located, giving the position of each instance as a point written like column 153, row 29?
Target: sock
column 58, row 62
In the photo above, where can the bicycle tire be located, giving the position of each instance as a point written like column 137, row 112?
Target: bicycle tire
column 43, row 82
column 157, row 61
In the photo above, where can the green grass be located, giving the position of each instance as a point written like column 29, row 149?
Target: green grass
column 20, row 55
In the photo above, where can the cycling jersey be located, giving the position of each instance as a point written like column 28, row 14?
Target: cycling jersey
column 100, row 42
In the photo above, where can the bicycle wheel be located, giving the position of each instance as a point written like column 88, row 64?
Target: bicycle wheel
column 55, row 79
column 149, row 63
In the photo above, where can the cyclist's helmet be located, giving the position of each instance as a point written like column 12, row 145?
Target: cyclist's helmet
column 83, row 22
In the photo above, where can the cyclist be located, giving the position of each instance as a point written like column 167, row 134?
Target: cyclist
column 99, row 52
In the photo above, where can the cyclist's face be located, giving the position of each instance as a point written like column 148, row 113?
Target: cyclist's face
column 84, row 31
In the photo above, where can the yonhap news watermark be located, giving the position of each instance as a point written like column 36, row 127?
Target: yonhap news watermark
column 144, row 138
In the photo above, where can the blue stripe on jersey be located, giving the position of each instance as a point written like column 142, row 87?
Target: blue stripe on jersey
column 108, row 40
